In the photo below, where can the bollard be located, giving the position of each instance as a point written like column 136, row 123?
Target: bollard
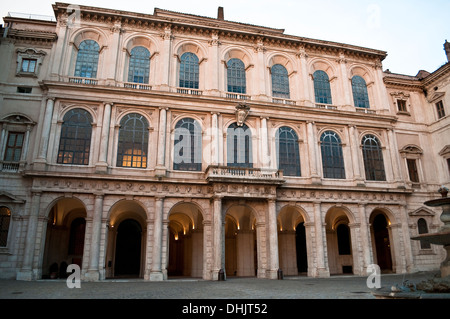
column 280, row 274
column 221, row 275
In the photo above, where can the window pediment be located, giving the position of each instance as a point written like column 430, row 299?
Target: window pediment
column 422, row 212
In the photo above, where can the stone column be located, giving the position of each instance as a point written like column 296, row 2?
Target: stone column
column 26, row 272
column 218, row 238
column 260, row 80
column 93, row 272
column 274, row 265
column 160, row 163
column 395, row 157
column 322, row 269
column 305, row 78
column 111, row 58
column 313, row 156
column 406, row 239
column 366, row 252
column 214, row 65
column 102, row 164
column 46, row 126
column 165, row 63
column 265, row 156
column 156, row 270
column 214, row 139
column 354, row 146
column 345, row 81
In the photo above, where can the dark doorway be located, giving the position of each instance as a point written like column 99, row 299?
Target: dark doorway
column 300, row 240
column 128, row 249
column 382, row 243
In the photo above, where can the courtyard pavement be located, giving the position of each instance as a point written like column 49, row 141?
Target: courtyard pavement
column 181, row 295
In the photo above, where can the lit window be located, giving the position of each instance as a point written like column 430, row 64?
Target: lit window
column 360, row 95
column 139, row 67
column 440, row 109
column 189, row 71
column 280, row 81
column 75, row 141
column 322, row 88
column 133, row 141
column 236, row 76
column 332, row 156
column 187, row 146
column 288, row 151
column 373, row 158
column 87, row 59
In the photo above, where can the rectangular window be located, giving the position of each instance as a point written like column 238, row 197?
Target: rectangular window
column 448, row 165
column 412, row 170
column 14, row 146
column 28, row 65
column 440, row 109
column 401, row 104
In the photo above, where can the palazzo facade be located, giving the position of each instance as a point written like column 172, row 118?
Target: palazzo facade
column 168, row 144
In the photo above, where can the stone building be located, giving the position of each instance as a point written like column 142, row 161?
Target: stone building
column 169, row 144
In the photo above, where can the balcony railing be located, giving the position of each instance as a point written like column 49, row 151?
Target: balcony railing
column 9, row 167
column 80, row 80
column 189, row 91
column 283, row 101
column 237, row 96
column 229, row 174
column 326, row 106
column 365, row 110
column 137, row 86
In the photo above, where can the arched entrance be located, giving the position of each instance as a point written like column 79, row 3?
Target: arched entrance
column 128, row 249
column 185, row 241
column 381, row 241
column 339, row 245
column 64, row 241
column 241, row 258
column 292, row 248
column 126, row 240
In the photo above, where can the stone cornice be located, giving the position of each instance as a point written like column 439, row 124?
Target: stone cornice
column 186, row 23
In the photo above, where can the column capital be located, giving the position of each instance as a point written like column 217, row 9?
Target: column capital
column 110, row 103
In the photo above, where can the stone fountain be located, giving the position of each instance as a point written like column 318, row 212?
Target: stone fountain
column 442, row 237
column 436, row 287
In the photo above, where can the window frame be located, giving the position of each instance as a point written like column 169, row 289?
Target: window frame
column 125, row 130
column 189, row 71
column 139, row 61
column 236, row 76
column 290, row 161
column 373, row 165
column 5, row 230
column 440, row 110
column 29, row 54
column 195, row 145
column 280, row 81
column 337, row 168
column 322, row 88
column 360, row 92
column 240, row 146
column 65, row 139
column 86, row 59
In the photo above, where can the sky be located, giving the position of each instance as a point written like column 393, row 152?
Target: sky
column 412, row 32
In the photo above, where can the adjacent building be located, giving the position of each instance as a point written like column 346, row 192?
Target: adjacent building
column 169, row 144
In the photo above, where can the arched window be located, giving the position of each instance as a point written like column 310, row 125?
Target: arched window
column 280, row 81
column 423, row 229
column 359, row 88
column 322, row 88
column 332, row 157
column 75, row 141
column 239, row 146
column 139, row 66
column 189, row 71
column 5, row 217
column 373, row 158
column 87, row 59
column 236, row 76
column 288, row 151
column 133, row 141
column 187, row 146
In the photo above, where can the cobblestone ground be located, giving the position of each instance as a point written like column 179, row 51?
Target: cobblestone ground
column 339, row 287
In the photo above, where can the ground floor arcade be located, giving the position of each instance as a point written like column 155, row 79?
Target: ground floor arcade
column 168, row 235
